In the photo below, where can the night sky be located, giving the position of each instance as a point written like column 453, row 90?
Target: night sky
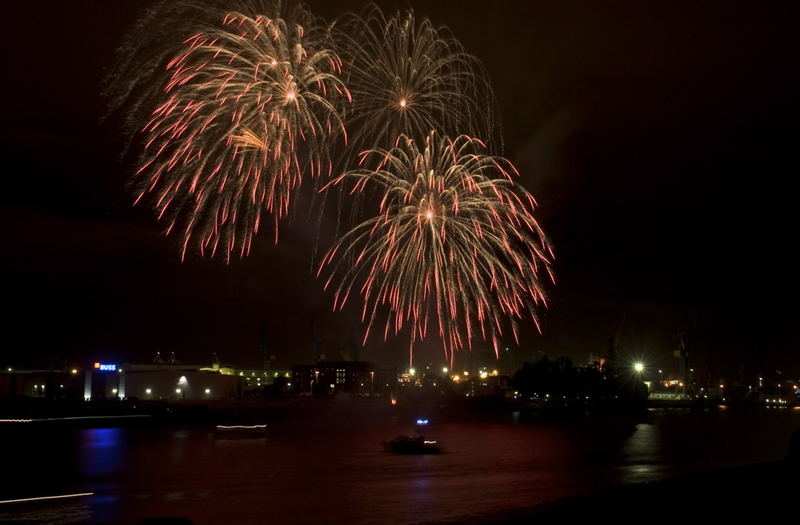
column 660, row 139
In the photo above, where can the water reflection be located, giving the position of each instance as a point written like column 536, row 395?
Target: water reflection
column 102, row 451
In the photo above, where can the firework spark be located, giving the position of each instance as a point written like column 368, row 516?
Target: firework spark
column 247, row 106
column 408, row 77
column 454, row 238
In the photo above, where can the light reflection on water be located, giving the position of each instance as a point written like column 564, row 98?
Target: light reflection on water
column 102, row 451
column 307, row 468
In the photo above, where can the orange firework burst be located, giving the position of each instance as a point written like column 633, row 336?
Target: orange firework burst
column 454, row 238
column 248, row 105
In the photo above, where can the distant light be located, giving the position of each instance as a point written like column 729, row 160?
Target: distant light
column 445, row 370
column 148, row 391
column 288, row 384
column 208, row 390
column 332, row 385
column 74, row 371
column 177, row 390
column 639, row 367
column 182, row 380
column 113, row 390
column 412, row 371
column 422, row 421
column 10, row 369
column 466, row 373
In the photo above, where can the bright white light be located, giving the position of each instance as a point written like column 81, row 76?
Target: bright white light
column 113, row 390
column 148, row 391
column 74, row 371
column 182, row 380
column 177, row 390
column 403, row 103
column 412, row 371
column 208, row 390
column 445, row 370
column 639, row 367
column 290, row 96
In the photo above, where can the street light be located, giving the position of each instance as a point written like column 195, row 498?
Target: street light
column 639, row 367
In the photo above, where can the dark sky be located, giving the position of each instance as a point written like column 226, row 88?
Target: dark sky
column 660, row 139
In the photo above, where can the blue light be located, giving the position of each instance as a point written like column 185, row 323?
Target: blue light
column 107, row 368
column 422, row 421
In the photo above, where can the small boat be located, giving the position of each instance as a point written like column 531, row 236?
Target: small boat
column 412, row 445
column 241, row 430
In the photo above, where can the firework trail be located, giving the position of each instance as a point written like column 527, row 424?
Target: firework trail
column 247, row 104
column 408, row 77
column 454, row 238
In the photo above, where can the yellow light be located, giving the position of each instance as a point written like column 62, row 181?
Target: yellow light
column 639, row 367
column 445, row 370
column 466, row 373
column 456, row 378
column 429, row 214
column 403, row 102
column 208, row 390
column 412, row 371
column 290, row 95
column 148, row 391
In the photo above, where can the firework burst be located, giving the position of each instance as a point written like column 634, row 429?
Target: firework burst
column 248, row 104
column 408, row 77
column 454, row 238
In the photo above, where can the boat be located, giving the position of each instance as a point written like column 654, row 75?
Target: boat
column 412, row 445
column 248, row 431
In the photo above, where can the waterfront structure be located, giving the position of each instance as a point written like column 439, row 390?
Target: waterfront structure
column 359, row 377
